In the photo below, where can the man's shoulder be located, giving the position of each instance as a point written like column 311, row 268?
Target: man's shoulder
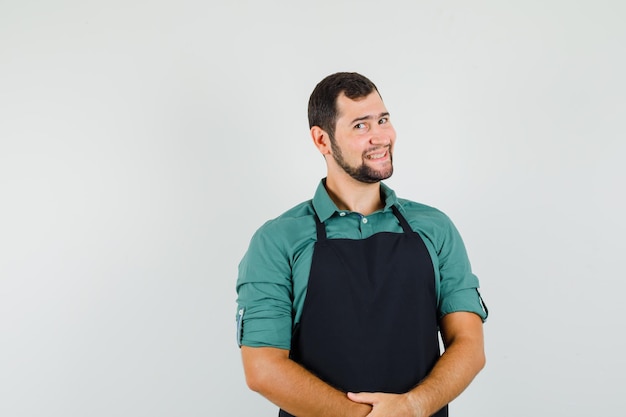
column 414, row 209
column 426, row 219
column 296, row 218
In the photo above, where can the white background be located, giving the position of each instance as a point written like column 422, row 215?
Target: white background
column 143, row 142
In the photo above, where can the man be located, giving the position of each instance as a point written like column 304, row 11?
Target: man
column 342, row 297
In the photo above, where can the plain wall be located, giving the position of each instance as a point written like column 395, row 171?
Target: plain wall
column 143, row 142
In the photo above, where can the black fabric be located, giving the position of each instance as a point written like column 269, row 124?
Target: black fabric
column 369, row 321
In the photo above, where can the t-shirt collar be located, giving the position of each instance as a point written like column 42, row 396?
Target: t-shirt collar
column 325, row 207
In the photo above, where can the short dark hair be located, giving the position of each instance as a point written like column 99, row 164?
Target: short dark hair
column 323, row 100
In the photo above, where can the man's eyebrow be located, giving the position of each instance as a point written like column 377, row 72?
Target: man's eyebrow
column 369, row 117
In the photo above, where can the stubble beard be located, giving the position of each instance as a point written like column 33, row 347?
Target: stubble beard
column 362, row 173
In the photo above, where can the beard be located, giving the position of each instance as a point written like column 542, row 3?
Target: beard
column 363, row 172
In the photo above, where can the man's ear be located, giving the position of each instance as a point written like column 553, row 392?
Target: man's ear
column 320, row 140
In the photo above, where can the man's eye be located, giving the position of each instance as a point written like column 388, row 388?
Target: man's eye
column 359, row 126
column 383, row 120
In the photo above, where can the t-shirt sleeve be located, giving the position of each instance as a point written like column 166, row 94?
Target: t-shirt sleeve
column 459, row 287
column 264, row 293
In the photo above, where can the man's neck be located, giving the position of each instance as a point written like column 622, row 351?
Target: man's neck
column 355, row 196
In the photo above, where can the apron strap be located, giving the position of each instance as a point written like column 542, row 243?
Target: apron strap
column 402, row 220
column 321, row 230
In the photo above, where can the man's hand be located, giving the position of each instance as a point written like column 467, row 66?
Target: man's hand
column 385, row 405
column 463, row 358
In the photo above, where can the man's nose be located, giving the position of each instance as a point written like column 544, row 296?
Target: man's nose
column 381, row 136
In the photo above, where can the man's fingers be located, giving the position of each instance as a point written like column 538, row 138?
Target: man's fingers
column 363, row 397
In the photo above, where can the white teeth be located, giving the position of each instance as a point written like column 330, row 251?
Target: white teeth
column 376, row 156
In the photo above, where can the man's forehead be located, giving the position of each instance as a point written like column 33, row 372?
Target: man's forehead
column 360, row 106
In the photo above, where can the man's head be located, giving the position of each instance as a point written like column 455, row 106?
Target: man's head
column 351, row 128
column 323, row 101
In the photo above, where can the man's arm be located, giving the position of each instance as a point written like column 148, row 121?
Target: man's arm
column 463, row 358
column 271, row 373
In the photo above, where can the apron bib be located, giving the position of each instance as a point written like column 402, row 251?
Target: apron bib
column 369, row 320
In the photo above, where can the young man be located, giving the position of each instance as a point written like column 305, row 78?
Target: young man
column 342, row 297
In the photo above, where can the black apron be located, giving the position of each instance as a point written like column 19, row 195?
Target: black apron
column 369, row 321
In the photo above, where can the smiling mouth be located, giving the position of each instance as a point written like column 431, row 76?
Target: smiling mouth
column 378, row 155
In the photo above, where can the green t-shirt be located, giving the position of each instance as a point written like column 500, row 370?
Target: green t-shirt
column 274, row 272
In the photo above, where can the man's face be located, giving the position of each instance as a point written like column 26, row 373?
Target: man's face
column 364, row 137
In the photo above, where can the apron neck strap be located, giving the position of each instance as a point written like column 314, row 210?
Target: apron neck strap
column 321, row 230
column 401, row 219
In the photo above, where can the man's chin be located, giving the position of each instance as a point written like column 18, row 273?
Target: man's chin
column 383, row 174
column 373, row 177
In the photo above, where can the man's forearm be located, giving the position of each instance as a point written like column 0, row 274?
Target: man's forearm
column 463, row 359
column 271, row 373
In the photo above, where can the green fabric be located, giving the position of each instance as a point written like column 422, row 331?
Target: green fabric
column 274, row 272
